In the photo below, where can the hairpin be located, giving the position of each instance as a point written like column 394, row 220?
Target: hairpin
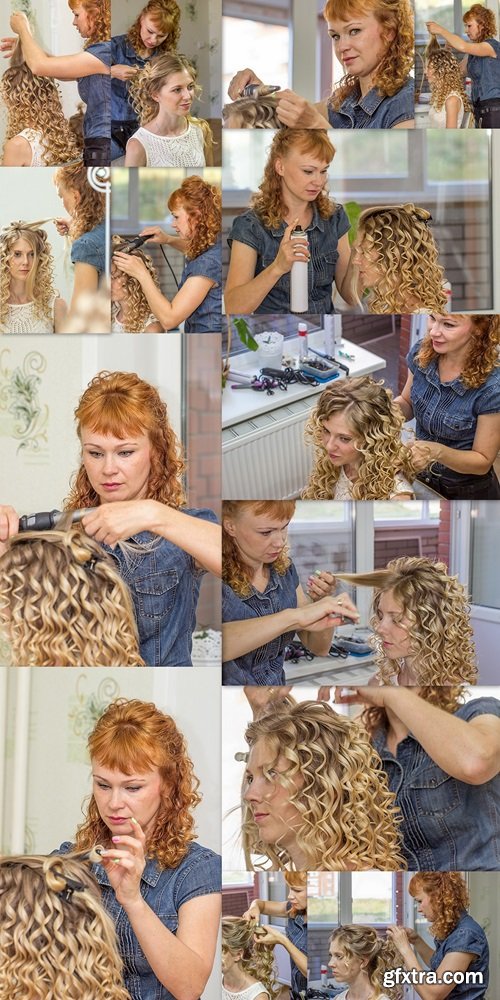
column 71, row 886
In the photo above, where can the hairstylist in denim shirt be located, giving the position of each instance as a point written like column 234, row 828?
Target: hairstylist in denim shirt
column 263, row 604
column 481, row 61
column 295, row 939
column 262, row 249
column 90, row 69
column 443, row 765
column 376, row 48
column 163, row 891
column 453, row 391
column 155, row 30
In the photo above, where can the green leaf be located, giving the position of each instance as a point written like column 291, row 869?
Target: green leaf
column 244, row 334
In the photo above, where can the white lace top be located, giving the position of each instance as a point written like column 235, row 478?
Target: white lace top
column 23, row 319
column 247, row 994
column 117, row 327
column 344, row 486
column 34, row 139
column 185, row 150
column 437, row 119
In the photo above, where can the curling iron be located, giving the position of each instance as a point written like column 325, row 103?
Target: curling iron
column 134, row 244
column 46, row 520
column 259, row 89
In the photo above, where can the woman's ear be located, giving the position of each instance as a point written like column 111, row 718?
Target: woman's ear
column 278, row 166
column 229, row 526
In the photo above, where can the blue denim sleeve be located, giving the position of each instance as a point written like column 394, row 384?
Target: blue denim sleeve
column 478, row 706
column 343, row 224
column 466, row 939
column 208, row 264
column 89, row 248
column 295, row 576
column 410, row 357
column 102, row 51
column 201, row 876
column 489, row 394
column 246, row 228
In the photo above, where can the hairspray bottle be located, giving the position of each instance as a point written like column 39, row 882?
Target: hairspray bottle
column 299, row 278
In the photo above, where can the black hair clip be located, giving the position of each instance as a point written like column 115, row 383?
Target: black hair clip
column 71, row 886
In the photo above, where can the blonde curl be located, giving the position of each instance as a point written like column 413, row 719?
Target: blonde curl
column 40, row 281
column 136, row 308
column 257, row 959
column 380, row 954
column 148, row 82
column 447, row 78
column 254, row 112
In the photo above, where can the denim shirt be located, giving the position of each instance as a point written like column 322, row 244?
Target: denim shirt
column 448, row 824
column 296, row 932
column 89, row 248
column 95, row 91
column 265, row 664
column 323, row 236
column 207, row 318
column 467, row 936
column 447, row 412
column 124, row 54
column 165, row 891
column 164, row 583
column 374, row 110
column 484, row 72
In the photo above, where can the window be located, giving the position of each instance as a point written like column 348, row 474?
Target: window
column 485, row 546
column 266, row 49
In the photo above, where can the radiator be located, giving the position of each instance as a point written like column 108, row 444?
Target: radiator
column 265, row 458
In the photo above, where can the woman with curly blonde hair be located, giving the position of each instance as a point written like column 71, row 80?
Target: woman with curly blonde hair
column 460, row 944
column 85, row 227
column 197, row 218
column 294, row 940
column 453, row 391
column 374, row 39
column 251, row 112
column 449, row 102
column 90, row 69
column 441, row 756
column 481, row 61
column 363, row 959
column 355, row 430
column 38, row 134
column 263, row 603
column 131, row 473
column 64, row 604
column 130, row 312
column 161, row 888
column 156, row 30
column 291, row 197
column 248, row 970
column 56, row 938
column 29, row 303
column 169, row 136
column 396, row 257
column 314, row 795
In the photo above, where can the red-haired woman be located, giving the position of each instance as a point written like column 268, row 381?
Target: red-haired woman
column 90, row 69
column 160, row 887
column 196, row 210
column 131, row 469
column 481, row 61
column 460, row 942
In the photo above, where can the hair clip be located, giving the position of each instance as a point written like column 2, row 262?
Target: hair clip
column 71, row 886
column 241, row 757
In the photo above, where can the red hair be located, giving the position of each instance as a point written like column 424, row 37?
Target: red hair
column 448, row 895
column 485, row 19
column 99, row 12
column 203, row 204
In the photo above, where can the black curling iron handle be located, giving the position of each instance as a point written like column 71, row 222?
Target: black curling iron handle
column 44, row 520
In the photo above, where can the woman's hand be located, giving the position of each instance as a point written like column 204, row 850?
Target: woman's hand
column 122, row 72
column 423, row 453
column 321, row 584
column 240, row 80
column 433, row 27
column 112, row 522
column 372, row 696
column 7, row 46
column 325, row 613
column 253, row 912
column 19, row 22
column 296, row 112
column 125, row 863
column 131, row 265
column 268, row 935
column 9, row 522
column 291, row 250
column 259, row 696
column 400, row 938
column 62, row 226
column 156, row 234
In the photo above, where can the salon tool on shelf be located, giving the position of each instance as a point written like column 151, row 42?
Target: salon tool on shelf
column 323, row 371
column 259, row 89
column 289, row 375
column 45, row 520
column 353, row 646
column 329, row 357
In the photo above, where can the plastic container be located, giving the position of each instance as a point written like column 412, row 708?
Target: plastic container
column 324, row 974
column 299, row 294
column 303, row 341
column 270, row 352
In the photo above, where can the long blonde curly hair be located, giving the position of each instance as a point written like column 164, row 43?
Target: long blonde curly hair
column 40, row 281
column 239, row 935
column 270, row 204
column 394, row 16
column 437, row 612
column 375, row 424
column 91, row 206
column 64, row 604
column 254, row 112
column 447, row 78
column 347, row 814
column 99, row 12
column 485, row 18
column 121, row 403
column 448, row 897
column 56, row 938
column 446, row 698
column 134, row 736
column 35, row 102
column 381, row 955
column 136, row 308
column 147, row 84
column 482, row 357
column 167, row 18
column 235, row 571
column 203, row 204
column 397, row 239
